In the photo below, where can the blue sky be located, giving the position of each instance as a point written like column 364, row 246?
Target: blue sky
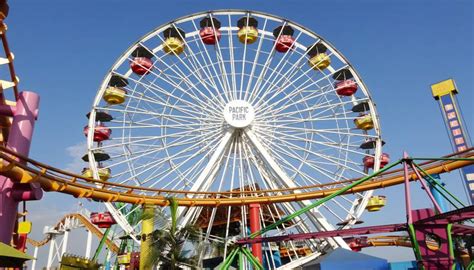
column 63, row 50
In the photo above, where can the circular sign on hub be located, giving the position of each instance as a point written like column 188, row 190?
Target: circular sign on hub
column 239, row 113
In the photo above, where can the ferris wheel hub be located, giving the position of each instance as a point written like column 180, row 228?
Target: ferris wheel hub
column 239, row 113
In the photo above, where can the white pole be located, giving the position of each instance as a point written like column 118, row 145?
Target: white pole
column 51, row 250
column 88, row 244
column 64, row 247
column 33, row 263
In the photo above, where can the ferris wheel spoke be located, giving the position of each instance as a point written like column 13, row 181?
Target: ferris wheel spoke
column 141, row 139
column 319, row 131
column 200, row 44
column 232, row 58
column 319, row 143
column 205, row 179
column 283, row 88
column 170, row 79
column 277, row 72
column 148, row 152
column 175, row 168
column 192, row 71
column 255, row 61
column 154, row 164
column 298, row 89
column 265, row 67
column 197, row 95
column 192, row 53
column 317, row 217
column 244, row 59
column 220, row 60
column 154, row 87
column 310, row 164
column 315, row 97
column 221, row 182
column 334, row 160
column 328, row 107
column 190, row 113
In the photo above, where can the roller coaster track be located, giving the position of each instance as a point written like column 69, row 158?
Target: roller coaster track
column 25, row 170
column 87, row 224
column 6, row 60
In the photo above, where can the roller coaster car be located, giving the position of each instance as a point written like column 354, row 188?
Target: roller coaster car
column 364, row 122
column 104, row 173
column 101, row 132
column 102, row 220
column 141, row 63
column 284, row 38
column 346, row 88
column 210, row 33
column 174, row 43
column 248, row 32
column 369, row 161
column 376, row 203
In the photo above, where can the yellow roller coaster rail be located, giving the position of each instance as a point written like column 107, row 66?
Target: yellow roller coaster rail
column 87, row 224
column 6, row 59
column 24, row 170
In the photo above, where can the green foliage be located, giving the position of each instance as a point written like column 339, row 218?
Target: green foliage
column 168, row 243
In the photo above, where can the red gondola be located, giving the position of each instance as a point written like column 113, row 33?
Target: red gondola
column 141, row 63
column 284, row 38
column 346, row 87
column 102, row 220
column 210, row 33
column 369, row 161
column 101, row 132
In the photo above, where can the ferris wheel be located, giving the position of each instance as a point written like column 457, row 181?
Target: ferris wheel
column 236, row 101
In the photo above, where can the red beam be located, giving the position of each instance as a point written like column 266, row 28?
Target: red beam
column 328, row 234
column 459, row 229
column 450, row 217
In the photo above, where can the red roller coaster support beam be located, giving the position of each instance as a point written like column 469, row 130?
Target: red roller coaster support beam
column 255, row 227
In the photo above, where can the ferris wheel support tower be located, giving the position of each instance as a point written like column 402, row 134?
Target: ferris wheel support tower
column 445, row 93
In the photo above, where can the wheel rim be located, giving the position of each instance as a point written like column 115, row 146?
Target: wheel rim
column 179, row 127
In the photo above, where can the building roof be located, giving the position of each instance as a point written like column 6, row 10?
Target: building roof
column 341, row 254
column 11, row 257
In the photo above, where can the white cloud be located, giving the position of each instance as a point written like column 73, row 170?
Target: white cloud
column 75, row 152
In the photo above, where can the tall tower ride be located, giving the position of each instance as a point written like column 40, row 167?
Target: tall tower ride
column 445, row 93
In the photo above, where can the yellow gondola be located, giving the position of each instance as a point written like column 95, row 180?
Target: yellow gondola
column 319, row 61
column 115, row 95
column 174, row 41
column 104, row 173
column 248, row 32
column 364, row 122
column 376, row 203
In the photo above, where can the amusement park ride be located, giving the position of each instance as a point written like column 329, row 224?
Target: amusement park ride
column 261, row 132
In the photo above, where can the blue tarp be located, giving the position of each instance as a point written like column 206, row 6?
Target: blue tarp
column 343, row 259
column 403, row 266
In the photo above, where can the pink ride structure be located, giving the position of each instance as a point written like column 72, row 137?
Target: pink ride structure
column 24, row 114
